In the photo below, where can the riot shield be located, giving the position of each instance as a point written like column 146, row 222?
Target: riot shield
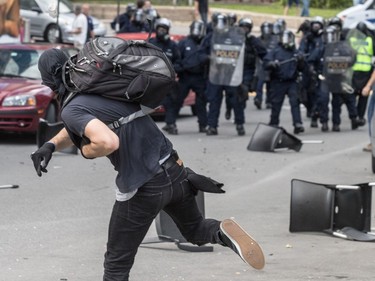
column 227, row 56
column 337, row 67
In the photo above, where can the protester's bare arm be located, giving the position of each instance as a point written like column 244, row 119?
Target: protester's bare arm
column 103, row 141
column 61, row 140
column 366, row 90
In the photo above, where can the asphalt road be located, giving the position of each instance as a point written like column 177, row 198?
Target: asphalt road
column 54, row 227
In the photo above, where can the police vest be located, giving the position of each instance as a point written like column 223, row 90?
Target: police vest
column 364, row 53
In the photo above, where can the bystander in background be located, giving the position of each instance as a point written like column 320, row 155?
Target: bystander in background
column 289, row 4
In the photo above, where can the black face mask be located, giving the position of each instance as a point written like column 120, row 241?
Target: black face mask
column 50, row 66
column 162, row 34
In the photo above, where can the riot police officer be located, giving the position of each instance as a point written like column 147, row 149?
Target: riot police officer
column 284, row 62
column 261, row 74
column 121, row 22
column 254, row 50
column 312, row 45
column 137, row 23
column 192, row 73
column 337, row 78
column 214, row 92
column 169, row 47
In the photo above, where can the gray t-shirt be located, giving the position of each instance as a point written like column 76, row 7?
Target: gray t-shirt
column 142, row 144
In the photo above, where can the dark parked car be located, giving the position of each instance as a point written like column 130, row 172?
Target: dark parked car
column 23, row 100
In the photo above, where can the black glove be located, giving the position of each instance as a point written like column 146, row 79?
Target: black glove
column 43, row 154
column 272, row 65
column 300, row 57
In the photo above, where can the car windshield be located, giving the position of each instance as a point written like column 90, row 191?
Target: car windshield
column 19, row 63
column 64, row 8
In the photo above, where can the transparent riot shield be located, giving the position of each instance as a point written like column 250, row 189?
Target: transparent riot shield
column 337, row 67
column 227, row 56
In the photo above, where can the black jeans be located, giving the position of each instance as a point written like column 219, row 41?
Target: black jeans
column 131, row 220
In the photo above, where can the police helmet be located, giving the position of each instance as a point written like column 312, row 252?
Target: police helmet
column 139, row 16
column 331, row 34
column 162, row 27
column 246, row 23
column 282, row 23
column 130, row 9
column 277, row 28
column 335, row 21
column 287, row 39
column 197, row 29
column 266, row 28
column 317, row 25
column 362, row 26
column 164, row 23
column 232, row 19
column 221, row 21
column 214, row 17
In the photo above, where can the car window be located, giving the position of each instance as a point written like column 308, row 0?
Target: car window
column 28, row 4
column 16, row 62
column 65, row 6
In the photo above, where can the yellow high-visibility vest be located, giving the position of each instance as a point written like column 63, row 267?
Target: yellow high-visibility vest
column 364, row 53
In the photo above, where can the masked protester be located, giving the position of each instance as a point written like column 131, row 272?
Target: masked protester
column 169, row 47
column 151, row 176
column 284, row 62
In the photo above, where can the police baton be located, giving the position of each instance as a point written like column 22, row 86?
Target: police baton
column 294, row 58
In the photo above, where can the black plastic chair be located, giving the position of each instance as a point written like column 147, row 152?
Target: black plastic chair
column 270, row 138
column 340, row 210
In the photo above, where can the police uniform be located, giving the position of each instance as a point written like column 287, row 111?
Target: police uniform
column 284, row 64
column 170, row 48
column 192, row 75
column 317, row 99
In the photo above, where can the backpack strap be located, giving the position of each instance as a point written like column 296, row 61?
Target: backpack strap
column 123, row 120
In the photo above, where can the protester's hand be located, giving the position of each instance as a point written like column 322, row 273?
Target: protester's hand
column 366, row 91
column 41, row 157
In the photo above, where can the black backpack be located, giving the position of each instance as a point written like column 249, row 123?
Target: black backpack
column 131, row 71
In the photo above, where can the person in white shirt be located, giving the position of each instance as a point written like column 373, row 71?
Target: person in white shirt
column 79, row 28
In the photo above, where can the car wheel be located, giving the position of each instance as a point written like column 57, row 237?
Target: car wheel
column 52, row 34
column 51, row 113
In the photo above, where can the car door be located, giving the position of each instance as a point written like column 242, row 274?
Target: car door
column 31, row 11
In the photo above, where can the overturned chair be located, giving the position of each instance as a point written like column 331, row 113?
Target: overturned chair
column 271, row 138
column 339, row 210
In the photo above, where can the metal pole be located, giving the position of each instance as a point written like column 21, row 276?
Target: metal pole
column 26, row 30
column 117, row 27
column 57, row 21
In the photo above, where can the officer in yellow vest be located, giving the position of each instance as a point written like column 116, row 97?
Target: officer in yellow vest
column 363, row 67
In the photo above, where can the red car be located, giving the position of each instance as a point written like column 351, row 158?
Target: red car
column 190, row 99
column 23, row 100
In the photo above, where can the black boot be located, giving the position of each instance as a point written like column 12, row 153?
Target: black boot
column 325, row 127
column 240, row 130
column 336, row 128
